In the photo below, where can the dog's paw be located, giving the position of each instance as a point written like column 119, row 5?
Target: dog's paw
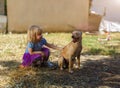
column 61, row 68
column 77, row 67
column 71, row 71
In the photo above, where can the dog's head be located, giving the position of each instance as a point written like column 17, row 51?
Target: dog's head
column 76, row 36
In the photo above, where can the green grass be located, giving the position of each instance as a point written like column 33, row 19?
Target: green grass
column 92, row 46
column 12, row 47
column 16, row 43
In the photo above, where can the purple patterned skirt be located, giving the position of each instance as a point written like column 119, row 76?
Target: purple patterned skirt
column 28, row 59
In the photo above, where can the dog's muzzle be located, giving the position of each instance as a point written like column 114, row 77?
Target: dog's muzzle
column 75, row 39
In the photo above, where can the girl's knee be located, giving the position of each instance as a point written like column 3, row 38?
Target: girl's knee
column 46, row 51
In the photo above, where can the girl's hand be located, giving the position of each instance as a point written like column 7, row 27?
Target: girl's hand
column 43, row 54
column 53, row 46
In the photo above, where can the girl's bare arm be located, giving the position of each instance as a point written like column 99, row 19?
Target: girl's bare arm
column 53, row 46
column 35, row 52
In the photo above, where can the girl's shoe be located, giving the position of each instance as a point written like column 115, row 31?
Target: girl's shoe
column 21, row 66
column 51, row 65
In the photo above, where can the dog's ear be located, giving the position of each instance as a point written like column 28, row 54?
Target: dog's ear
column 80, row 33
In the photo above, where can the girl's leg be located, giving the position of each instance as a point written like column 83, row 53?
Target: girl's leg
column 47, row 53
column 46, row 62
column 28, row 59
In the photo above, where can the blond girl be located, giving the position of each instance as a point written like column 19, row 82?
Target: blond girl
column 35, row 49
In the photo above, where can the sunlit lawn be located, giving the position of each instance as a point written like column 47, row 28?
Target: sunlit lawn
column 14, row 44
column 12, row 47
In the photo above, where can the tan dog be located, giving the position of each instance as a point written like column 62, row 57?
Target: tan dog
column 72, row 50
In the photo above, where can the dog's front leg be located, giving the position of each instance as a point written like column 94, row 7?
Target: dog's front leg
column 78, row 61
column 70, row 65
column 60, row 62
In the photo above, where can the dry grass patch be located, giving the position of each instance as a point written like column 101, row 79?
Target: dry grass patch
column 95, row 71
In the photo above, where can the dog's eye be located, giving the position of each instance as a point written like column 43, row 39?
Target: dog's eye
column 72, row 36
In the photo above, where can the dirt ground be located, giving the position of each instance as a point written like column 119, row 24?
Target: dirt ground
column 96, row 71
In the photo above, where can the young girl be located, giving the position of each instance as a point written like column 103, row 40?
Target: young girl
column 35, row 49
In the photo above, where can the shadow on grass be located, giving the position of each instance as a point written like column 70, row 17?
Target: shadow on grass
column 7, row 66
column 103, row 72
column 93, row 74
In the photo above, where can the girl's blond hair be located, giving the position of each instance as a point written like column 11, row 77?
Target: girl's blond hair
column 32, row 32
